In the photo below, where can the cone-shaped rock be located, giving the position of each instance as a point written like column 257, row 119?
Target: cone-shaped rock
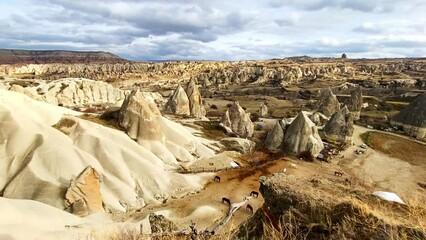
column 196, row 106
column 340, row 127
column 355, row 103
column 84, row 193
column 238, row 121
column 263, row 110
column 274, row 139
column 178, row 103
column 138, row 117
column 301, row 137
column 413, row 118
column 328, row 103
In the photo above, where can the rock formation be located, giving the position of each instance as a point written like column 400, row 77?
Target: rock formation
column 44, row 150
column 138, row 117
column 196, row 106
column 84, row 193
column 355, row 103
column 274, row 139
column 412, row 118
column 263, row 110
column 285, row 71
column 302, row 137
column 170, row 141
column 71, row 92
column 328, row 103
column 238, row 144
column 340, row 127
column 238, row 121
column 178, row 102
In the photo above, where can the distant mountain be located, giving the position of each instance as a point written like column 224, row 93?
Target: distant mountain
column 12, row 56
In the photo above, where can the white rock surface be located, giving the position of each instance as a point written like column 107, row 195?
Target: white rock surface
column 238, row 121
column 302, row 136
column 38, row 161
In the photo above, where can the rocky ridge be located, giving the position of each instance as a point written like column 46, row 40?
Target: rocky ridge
column 278, row 72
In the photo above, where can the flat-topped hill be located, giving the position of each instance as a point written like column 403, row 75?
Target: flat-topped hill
column 11, row 56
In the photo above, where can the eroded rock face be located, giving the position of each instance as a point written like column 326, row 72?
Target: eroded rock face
column 196, row 106
column 340, row 127
column 84, row 193
column 238, row 144
column 178, row 103
column 302, row 137
column 263, row 110
column 328, row 103
column 71, row 92
column 412, row 118
column 355, row 103
column 238, row 121
column 138, row 117
column 274, row 139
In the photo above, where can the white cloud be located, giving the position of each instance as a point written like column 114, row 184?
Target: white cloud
column 221, row 30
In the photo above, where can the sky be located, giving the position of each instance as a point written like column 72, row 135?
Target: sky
column 218, row 29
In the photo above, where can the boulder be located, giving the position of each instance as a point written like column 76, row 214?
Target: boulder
column 274, row 139
column 178, row 102
column 302, row 138
column 84, row 193
column 196, row 106
column 328, row 103
column 340, row 127
column 355, row 103
column 138, row 118
column 238, row 144
column 263, row 110
column 238, row 121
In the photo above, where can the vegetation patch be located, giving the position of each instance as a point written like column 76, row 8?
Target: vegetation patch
column 107, row 122
column 211, row 129
column 64, row 124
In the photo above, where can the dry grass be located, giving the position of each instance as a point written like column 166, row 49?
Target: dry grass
column 211, row 130
column 64, row 124
column 111, row 123
column 396, row 147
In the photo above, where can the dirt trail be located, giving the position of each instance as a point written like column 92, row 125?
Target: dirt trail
column 235, row 185
column 382, row 171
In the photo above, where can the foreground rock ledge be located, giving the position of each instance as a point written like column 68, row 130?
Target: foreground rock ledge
column 300, row 208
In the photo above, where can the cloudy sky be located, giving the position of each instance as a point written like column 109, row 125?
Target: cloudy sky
column 218, row 29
